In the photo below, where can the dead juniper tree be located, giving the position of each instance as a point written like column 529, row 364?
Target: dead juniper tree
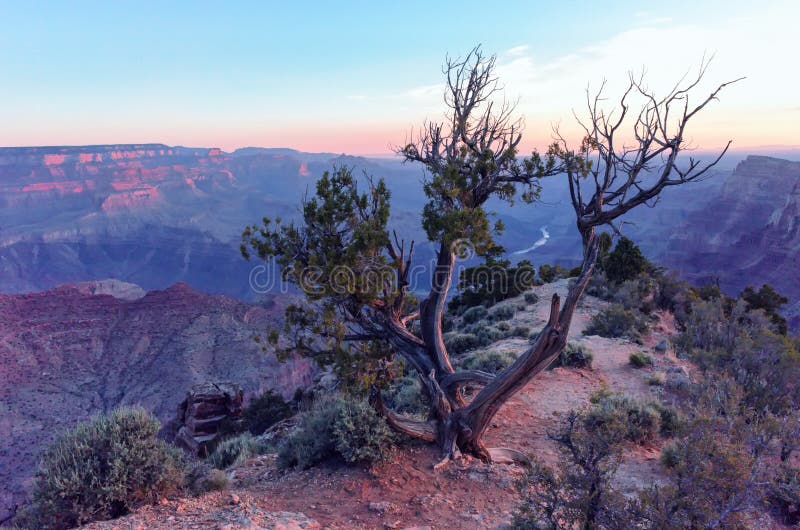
column 354, row 272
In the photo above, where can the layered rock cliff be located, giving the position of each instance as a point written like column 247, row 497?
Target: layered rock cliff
column 748, row 233
column 74, row 351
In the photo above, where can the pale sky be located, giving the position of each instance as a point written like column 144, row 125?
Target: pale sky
column 356, row 77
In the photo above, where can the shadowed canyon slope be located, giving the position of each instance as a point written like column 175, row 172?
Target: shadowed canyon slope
column 748, row 234
column 76, row 350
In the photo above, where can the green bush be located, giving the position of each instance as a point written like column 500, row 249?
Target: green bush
column 491, row 282
column 502, row 312
column 104, row 469
column 503, row 325
column 670, row 455
column 202, row 478
column 461, row 342
column 521, row 331
column 265, row 411
column 784, row 493
column 657, row 379
column 405, row 394
column 636, row 294
column 360, row 434
column 531, row 297
column 580, row 492
column 640, row 359
column 574, row 356
column 235, row 451
column 474, row 314
column 489, row 361
column 672, row 422
column 616, row 321
column 641, row 421
column 489, row 334
column 312, row 440
column 334, row 426
column 550, row 273
column 625, row 262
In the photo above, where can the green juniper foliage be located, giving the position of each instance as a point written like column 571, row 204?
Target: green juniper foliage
column 492, row 281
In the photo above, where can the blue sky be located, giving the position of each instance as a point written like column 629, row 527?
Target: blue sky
column 355, row 76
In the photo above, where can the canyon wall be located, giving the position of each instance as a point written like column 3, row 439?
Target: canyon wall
column 74, row 351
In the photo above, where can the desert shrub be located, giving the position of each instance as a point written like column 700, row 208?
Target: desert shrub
column 360, row 433
column 640, row 421
column 718, row 468
column 312, row 440
column 265, row 411
column 768, row 300
column 670, row 454
column 503, row 325
column 489, row 334
column 671, row 421
column 574, row 356
column 474, row 314
column 531, row 297
column 235, row 451
column 640, row 359
column 343, row 426
column 671, row 294
column 784, row 493
column 616, row 321
column 599, row 286
column 657, row 379
column 636, row 294
column 767, row 366
column 461, row 342
column 712, row 482
column 574, row 271
column 502, row 312
column 741, row 345
column 708, row 326
column 202, row 478
column 104, row 469
column 533, row 336
column 489, row 361
column 521, row 331
column 405, row 394
column 580, row 493
column 520, row 307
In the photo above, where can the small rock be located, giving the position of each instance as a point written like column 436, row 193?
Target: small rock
column 677, row 378
column 234, row 499
column 382, row 507
column 662, row 346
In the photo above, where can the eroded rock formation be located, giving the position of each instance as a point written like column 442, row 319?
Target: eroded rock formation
column 207, row 409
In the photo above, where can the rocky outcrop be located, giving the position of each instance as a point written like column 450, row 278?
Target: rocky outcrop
column 74, row 351
column 207, row 408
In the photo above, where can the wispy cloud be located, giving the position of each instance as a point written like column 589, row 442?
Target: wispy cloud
column 517, row 50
